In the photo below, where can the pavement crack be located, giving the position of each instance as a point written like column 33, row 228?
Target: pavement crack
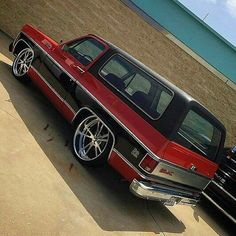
column 9, row 114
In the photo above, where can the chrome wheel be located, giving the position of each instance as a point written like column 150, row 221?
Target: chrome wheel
column 22, row 62
column 91, row 139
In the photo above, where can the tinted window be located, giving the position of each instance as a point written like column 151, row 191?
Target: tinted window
column 139, row 87
column 85, row 51
column 201, row 133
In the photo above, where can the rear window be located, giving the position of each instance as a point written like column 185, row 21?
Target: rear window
column 201, row 133
column 140, row 88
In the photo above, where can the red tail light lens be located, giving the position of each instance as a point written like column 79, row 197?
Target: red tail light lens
column 148, row 163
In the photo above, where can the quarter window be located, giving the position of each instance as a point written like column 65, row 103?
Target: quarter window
column 138, row 86
column 201, row 133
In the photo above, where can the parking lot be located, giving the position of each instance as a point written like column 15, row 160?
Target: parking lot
column 44, row 191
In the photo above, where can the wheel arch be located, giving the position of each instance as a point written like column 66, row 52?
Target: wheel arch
column 81, row 114
column 20, row 45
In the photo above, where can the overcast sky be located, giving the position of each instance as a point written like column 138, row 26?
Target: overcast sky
column 220, row 15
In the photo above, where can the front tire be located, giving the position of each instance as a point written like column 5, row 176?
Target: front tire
column 92, row 141
column 22, row 63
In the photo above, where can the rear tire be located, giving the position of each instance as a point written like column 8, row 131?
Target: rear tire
column 22, row 63
column 92, row 141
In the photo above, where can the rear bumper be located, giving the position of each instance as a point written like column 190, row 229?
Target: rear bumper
column 167, row 195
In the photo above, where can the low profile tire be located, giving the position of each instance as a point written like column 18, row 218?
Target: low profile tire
column 22, row 63
column 92, row 142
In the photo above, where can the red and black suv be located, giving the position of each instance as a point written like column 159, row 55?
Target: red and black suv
column 160, row 139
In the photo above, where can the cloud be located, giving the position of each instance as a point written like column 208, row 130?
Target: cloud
column 231, row 7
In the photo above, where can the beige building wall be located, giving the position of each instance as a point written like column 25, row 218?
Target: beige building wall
column 112, row 20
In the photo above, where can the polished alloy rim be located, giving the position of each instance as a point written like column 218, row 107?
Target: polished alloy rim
column 22, row 62
column 91, row 139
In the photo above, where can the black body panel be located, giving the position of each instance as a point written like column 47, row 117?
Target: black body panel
column 223, row 189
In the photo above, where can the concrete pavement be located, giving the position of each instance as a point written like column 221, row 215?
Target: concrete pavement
column 44, row 191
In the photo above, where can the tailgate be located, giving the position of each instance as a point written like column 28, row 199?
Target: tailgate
column 186, row 167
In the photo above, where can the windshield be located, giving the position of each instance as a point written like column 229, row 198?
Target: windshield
column 85, row 50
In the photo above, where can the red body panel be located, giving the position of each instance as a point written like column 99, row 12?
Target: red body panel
column 38, row 37
column 184, row 157
column 122, row 167
column 149, row 136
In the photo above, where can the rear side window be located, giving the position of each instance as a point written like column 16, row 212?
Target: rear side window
column 136, row 85
column 201, row 133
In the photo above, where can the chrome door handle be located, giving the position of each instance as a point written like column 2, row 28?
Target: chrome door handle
column 79, row 69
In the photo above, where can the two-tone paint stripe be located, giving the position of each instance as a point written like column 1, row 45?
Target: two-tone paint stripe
column 151, row 153
column 53, row 90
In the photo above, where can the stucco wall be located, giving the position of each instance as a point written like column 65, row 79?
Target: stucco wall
column 193, row 32
column 112, row 20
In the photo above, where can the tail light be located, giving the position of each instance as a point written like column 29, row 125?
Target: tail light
column 148, row 164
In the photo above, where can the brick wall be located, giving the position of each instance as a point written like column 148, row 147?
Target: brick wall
column 112, row 20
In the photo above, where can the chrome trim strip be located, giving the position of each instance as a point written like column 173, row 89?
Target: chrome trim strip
column 80, row 69
column 151, row 153
column 53, row 90
column 233, row 160
column 192, row 143
column 133, row 167
column 153, row 78
column 233, row 170
column 142, row 161
column 225, row 173
column 16, row 38
column 219, row 207
column 112, row 134
column 225, row 191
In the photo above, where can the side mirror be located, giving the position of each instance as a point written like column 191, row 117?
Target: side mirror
column 65, row 48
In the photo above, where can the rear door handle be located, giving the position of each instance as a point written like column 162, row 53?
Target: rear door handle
column 78, row 68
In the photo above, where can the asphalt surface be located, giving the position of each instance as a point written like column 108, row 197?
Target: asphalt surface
column 44, row 191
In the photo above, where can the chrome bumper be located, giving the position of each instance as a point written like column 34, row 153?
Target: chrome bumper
column 167, row 195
